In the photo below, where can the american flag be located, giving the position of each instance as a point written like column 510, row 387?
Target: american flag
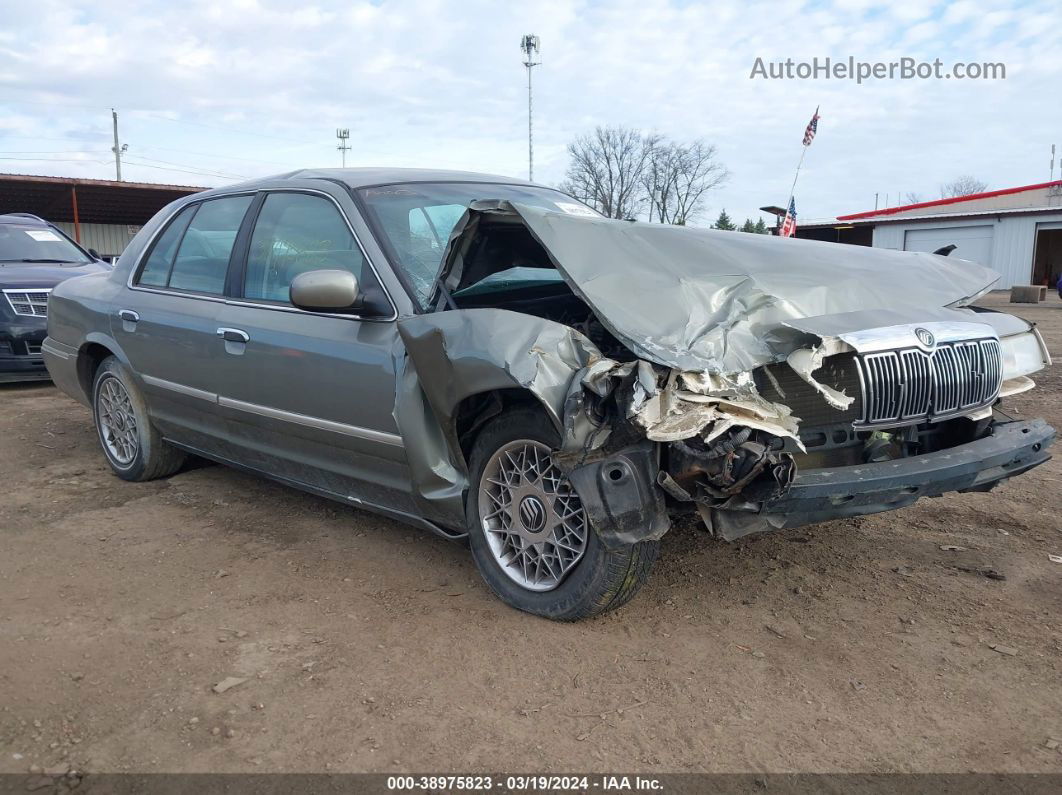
column 813, row 127
column 789, row 224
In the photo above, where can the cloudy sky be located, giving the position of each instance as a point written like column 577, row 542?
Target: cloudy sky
column 209, row 92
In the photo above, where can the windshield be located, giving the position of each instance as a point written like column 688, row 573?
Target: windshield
column 32, row 243
column 416, row 220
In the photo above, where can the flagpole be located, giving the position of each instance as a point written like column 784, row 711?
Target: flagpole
column 796, row 176
column 804, row 150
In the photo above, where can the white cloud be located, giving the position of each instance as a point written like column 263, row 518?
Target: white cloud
column 258, row 86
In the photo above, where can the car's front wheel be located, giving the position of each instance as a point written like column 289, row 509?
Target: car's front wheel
column 133, row 447
column 529, row 534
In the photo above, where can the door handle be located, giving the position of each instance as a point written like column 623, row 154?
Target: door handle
column 233, row 335
column 128, row 315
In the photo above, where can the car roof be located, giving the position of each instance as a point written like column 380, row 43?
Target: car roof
column 366, row 177
column 22, row 218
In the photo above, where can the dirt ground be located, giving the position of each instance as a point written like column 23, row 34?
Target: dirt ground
column 369, row 646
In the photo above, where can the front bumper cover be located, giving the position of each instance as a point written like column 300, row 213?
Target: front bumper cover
column 15, row 363
column 819, row 495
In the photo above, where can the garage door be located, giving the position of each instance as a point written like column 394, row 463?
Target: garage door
column 974, row 242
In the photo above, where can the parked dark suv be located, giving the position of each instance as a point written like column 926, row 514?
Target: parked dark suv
column 34, row 257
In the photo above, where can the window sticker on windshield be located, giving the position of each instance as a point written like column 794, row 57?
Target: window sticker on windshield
column 43, row 235
column 577, row 209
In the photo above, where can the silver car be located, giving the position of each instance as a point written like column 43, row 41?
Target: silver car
column 493, row 360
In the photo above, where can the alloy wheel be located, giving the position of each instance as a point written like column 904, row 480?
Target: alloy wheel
column 117, row 421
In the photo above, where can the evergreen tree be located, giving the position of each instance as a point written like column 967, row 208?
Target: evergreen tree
column 724, row 222
column 748, row 226
column 761, row 227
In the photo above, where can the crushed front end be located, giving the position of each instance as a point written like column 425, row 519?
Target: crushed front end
column 760, row 383
column 857, row 424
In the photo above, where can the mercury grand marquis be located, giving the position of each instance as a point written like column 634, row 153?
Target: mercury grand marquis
column 494, row 361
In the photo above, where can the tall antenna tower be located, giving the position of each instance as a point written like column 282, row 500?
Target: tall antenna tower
column 343, row 135
column 529, row 44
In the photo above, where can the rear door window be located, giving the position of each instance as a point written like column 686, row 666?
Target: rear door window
column 193, row 252
column 203, row 257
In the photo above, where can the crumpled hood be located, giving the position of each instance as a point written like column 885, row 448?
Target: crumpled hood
column 717, row 301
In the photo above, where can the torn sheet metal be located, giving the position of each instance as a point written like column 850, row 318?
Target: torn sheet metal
column 805, row 361
column 720, row 300
column 453, row 355
column 708, row 405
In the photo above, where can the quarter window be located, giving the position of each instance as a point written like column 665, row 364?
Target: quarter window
column 296, row 233
column 156, row 271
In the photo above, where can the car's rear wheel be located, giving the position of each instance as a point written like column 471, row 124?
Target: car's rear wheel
column 529, row 534
column 131, row 445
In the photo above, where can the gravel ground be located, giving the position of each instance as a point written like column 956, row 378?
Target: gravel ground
column 364, row 645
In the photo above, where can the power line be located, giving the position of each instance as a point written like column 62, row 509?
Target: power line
column 148, row 148
column 55, row 159
column 227, row 129
column 194, row 168
column 90, row 159
column 197, row 172
column 159, row 115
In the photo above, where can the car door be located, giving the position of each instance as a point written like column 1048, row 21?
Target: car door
column 167, row 320
column 309, row 397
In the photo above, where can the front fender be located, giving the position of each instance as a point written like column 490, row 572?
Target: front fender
column 450, row 356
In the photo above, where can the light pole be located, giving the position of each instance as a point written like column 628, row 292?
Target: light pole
column 343, row 135
column 529, row 44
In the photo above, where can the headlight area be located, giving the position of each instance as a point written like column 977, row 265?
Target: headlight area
column 1022, row 354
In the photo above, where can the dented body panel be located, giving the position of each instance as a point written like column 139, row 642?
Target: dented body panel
column 705, row 300
column 705, row 313
column 754, row 381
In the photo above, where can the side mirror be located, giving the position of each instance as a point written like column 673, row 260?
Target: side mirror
column 95, row 254
column 324, row 290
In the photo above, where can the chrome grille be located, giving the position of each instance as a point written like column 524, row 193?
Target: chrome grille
column 29, row 303
column 912, row 384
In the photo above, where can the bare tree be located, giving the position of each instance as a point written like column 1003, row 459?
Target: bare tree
column 912, row 198
column 606, row 170
column 677, row 177
column 622, row 172
column 962, row 186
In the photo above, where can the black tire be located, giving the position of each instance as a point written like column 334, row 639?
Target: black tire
column 153, row 457
column 600, row 581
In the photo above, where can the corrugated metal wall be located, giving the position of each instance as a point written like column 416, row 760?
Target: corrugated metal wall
column 108, row 239
column 1013, row 246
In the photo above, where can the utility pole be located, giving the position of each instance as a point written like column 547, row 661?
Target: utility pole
column 530, row 46
column 343, row 135
column 1052, row 162
column 118, row 150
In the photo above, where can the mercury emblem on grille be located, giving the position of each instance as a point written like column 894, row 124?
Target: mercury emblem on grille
column 925, row 336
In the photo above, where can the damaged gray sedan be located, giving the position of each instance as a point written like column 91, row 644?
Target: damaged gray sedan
column 493, row 360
